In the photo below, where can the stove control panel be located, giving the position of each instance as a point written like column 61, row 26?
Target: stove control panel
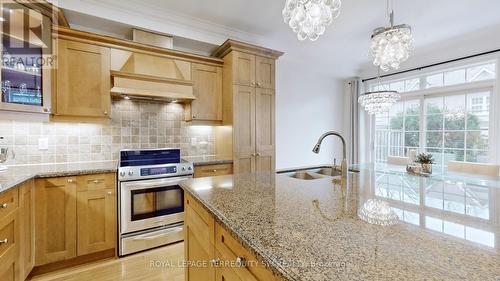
column 154, row 171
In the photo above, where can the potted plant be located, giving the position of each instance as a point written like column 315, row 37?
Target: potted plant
column 425, row 160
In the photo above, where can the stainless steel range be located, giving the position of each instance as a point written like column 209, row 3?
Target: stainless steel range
column 150, row 200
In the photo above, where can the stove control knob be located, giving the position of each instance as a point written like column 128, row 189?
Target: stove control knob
column 183, row 169
column 130, row 173
column 189, row 168
column 122, row 174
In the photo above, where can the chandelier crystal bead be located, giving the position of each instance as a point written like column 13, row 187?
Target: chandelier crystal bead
column 309, row 18
column 378, row 102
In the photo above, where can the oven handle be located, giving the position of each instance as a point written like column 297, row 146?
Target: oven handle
column 153, row 183
column 163, row 232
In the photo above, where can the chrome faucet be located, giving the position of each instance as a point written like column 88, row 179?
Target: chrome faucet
column 343, row 165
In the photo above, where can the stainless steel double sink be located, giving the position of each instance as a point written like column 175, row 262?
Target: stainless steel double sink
column 314, row 173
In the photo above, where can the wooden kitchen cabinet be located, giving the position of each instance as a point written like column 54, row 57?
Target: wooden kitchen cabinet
column 75, row 216
column 55, row 221
column 199, row 231
column 249, row 94
column 215, row 250
column 9, row 235
column 213, row 170
column 27, row 228
column 83, row 80
column 207, row 88
column 96, row 213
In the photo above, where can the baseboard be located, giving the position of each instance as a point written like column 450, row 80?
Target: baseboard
column 46, row 268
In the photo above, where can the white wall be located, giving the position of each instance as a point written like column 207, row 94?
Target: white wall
column 307, row 105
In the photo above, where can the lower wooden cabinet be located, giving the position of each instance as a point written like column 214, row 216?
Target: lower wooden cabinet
column 9, row 236
column 213, row 170
column 75, row 216
column 55, row 221
column 96, row 213
column 212, row 253
column 26, row 229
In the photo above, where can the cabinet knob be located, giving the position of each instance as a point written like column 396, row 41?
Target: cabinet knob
column 214, row 171
column 258, row 84
column 105, row 112
column 253, row 83
column 4, row 241
column 240, row 261
column 46, row 110
column 253, row 154
column 109, row 192
column 70, row 180
column 258, row 154
column 194, row 117
column 4, row 206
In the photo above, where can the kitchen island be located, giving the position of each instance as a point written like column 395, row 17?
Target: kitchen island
column 310, row 229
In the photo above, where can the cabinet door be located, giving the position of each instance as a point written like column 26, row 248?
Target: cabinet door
column 27, row 228
column 264, row 72
column 83, row 80
column 244, row 129
column 243, row 69
column 55, row 219
column 9, row 235
column 264, row 129
column 198, row 242
column 208, row 92
column 96, row 215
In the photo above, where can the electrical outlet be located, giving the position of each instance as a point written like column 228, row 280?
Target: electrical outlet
column 193, row 141
column 43, row 143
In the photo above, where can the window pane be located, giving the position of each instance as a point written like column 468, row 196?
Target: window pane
column 477, row 140
column 434, row 139
column 453, row 104
column 411, row 139
column 381, row 123
column 434, row 105
column 412, row 107
column 454, row 121
column 434, row 122
column 454, row 140
column 412, row 84
column 478, row 120
column 452, row 155
column 435, row 80
column 477, row 156
column 454, row 77
column 398, row 86
column 478, row 102
column 412, row 123
column 480, row 73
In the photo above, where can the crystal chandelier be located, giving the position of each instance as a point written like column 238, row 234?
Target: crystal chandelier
column 391, row 45
column 309, row 18
column 378, row 102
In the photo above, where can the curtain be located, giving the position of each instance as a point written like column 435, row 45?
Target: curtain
column 354, row 88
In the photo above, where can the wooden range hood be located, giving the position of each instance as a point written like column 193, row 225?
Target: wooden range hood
column 140, row 86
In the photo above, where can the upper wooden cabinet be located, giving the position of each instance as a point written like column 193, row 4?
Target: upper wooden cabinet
column 83, row 80
column 249, row 96
column 207, row 86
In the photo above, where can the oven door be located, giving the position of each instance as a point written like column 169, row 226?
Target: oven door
column 151, row 203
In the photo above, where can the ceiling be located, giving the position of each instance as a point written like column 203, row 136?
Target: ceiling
column 341, row 52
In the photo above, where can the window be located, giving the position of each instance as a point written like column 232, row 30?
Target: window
column 450, row 125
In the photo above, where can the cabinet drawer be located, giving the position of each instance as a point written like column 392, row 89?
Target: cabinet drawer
column 8, row 202
column 213, row 170
column 96, row 182
column 7, row 235
column 231, row 250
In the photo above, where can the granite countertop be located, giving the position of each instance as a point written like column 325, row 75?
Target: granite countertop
column 310, row 229
column 209, row 159
column 19, row 174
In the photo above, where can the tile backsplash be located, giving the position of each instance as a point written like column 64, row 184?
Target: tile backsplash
column 133, row 124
